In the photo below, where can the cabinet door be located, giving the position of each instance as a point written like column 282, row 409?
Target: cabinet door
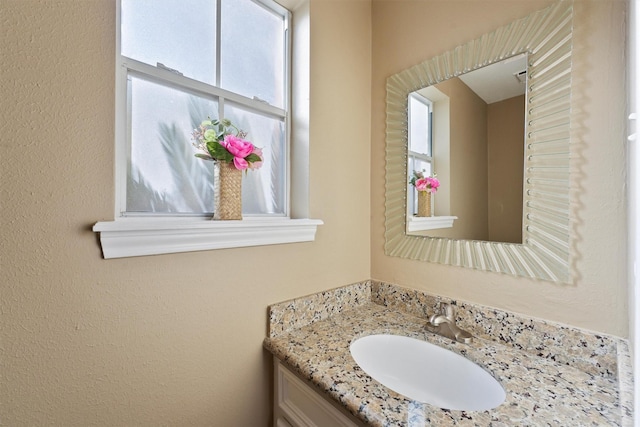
column 301, row 405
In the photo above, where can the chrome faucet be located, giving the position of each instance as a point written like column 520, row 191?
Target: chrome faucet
column 443, row 323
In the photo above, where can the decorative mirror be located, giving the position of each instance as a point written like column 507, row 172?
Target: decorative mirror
column 544, row 38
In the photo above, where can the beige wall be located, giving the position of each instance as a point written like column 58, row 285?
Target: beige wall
column 408, row 32
column 468, row 150
column 486, row 147
column 169, row 340
column 505, row 136
column 160, row 340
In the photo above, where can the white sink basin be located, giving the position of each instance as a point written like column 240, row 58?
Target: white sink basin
column 427, row 373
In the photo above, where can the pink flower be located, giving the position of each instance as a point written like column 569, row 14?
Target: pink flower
column 239, row 148
column 427, row 184
column 434, row 184
column 232, row 147
column 236, row 146
column 421, row 184
column 240, row 163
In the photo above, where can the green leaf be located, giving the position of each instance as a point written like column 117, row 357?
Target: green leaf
column 252, row 158
column 218, row 152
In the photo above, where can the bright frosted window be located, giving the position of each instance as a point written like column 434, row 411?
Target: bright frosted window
column 253, row 49
column 420, row 121
column 183, row 61
column 180, row 34
column 164, row 175
column 261, row 193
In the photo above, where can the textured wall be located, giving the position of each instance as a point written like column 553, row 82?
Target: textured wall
column 169, row 340
column 162, row 340
column 468, row 174
column 468, row 162
column 505, row 131
column 408, row 32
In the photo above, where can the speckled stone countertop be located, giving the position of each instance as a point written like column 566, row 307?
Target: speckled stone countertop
column 312, row 337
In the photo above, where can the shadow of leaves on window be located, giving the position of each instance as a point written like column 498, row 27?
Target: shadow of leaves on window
column 192, row 177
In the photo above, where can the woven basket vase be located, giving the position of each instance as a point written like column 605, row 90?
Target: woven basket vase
column 424, row 203
column 229, row 199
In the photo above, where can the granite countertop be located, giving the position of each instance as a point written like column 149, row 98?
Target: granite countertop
column 540, row 391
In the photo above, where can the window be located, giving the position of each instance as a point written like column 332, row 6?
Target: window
column 428, row 144
column 177, row 64
column 181, row 62
column 420, row 152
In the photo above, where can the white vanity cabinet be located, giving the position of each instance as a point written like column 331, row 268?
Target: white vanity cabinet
column 296, row 404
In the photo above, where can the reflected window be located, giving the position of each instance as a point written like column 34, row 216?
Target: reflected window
column 420, row 152
column 181, row 62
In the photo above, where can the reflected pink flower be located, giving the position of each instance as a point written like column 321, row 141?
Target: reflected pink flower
column 427, row 184
column 421, row 184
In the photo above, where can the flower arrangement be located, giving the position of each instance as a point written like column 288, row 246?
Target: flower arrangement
column 222, row 141
column 422, row 183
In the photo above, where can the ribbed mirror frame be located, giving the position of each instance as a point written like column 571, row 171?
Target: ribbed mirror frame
column 546, row 37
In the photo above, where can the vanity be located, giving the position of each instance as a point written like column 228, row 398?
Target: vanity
column 551, row 374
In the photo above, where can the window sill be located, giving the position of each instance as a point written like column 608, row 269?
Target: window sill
column 143, row 236
column 415, row 223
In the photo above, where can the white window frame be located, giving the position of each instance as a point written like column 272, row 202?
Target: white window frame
column 127, row 236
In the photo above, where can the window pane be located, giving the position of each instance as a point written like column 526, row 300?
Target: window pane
column 263, row 190
column 423, row 166
column 181, row 34
column 419, row 133
column 252, row 51
column 163, row 176
column 163, row 173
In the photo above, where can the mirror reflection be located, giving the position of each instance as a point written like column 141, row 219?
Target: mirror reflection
column 469, row 132
column 546, row 38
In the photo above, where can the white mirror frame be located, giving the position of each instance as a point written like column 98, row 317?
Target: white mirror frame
column 544, row 254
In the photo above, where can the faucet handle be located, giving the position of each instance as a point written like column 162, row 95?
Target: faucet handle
column 447, row 310
column 450, row 312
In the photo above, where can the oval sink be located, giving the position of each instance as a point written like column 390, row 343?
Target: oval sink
column 427, row 373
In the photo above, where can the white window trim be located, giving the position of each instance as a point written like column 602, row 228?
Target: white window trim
column 140, row 236
column 415, row 223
